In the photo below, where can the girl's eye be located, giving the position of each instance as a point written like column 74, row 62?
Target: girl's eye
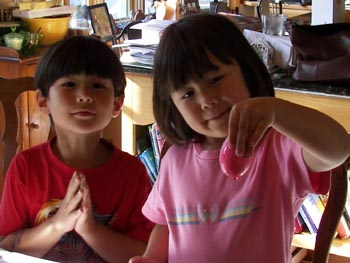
column 187, row 95
column 215, row 79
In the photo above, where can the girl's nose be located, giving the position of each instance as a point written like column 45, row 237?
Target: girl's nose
column 208, row 99
column 84, row 95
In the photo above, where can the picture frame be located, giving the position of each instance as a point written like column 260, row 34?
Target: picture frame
column 100, row 21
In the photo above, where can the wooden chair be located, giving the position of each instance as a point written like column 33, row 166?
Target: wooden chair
column 22, row 125
column 332, row 213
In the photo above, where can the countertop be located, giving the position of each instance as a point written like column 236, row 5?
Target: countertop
column 285, row 82
column 282, row 82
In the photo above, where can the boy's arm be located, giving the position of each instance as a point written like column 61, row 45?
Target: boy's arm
column 38, row 240
column 157, row 248
column 35, row 241
column 105, row 241
column 111, row 245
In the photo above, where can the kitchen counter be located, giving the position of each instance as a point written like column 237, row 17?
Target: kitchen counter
column 285, row 82
column 137, row 110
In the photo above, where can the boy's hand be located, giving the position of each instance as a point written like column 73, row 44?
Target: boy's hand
column 140, row 259
column 248, row 122
column 68, row 213
column 86, row 219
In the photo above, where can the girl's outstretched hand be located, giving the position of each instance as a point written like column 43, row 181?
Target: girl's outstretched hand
column 69, row 211
column 140, row 259
column 249, row 120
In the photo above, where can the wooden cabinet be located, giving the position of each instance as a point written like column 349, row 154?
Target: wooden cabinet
column 137, row 109
column 13, row 66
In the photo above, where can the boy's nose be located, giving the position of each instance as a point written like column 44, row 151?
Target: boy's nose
column 84, row 95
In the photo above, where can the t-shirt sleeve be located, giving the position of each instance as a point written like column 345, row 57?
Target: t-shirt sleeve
column 138, row 226
column 153, row 208
column 13, row 202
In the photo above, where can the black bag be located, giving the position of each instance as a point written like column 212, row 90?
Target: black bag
column 322, row 53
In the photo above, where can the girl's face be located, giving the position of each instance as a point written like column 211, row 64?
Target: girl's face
column 205, row 104
column 81, row 104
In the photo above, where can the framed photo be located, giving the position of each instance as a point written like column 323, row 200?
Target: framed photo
column 100, row 21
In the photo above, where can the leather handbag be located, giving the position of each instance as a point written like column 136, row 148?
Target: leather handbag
column 322, row 53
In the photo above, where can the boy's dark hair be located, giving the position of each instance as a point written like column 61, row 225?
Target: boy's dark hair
column 76, row 55
column 182, row 55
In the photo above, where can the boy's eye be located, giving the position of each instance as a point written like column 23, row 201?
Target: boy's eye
column 69, row 84
column 98, row 86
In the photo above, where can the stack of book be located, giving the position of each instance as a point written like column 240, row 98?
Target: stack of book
column 149, row 148
column 310, row 214
column 140, row 52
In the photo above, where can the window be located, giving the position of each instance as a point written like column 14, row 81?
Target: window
column 118, row 8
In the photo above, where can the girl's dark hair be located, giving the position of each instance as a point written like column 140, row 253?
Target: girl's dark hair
column 76, row 55
column 182, row 55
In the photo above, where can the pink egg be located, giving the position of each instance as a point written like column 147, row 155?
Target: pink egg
column 231, row 164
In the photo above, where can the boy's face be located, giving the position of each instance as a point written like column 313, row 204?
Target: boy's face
column 81, row 104
column 206, row 104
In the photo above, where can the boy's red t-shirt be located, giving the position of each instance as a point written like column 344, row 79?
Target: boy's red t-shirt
column 37, row 181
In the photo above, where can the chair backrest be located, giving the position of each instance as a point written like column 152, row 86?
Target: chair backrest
column 22, row 125
column 333, row 211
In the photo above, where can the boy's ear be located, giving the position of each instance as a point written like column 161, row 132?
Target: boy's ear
column 118, row 104
column 42, row 102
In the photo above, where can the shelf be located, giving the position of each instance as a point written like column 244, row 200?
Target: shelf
column 339, row 247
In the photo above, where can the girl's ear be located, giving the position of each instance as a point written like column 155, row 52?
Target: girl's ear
column 42, row 102
column 118, row 104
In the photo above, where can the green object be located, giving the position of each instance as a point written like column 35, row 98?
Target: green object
column 13, row 39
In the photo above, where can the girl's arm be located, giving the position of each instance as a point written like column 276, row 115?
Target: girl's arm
column 325, row 143
column 157, row 248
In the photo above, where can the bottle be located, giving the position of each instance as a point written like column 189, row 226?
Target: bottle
column 79, row 22
column 231, row 164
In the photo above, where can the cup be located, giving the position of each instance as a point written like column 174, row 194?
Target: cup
column 273, row 24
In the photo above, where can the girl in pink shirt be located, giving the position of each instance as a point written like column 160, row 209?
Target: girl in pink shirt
column 210, row 84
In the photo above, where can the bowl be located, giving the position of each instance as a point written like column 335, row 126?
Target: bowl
column 14, row 40
column 54, row 29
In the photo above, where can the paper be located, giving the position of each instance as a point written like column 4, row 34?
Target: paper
column 13, row 257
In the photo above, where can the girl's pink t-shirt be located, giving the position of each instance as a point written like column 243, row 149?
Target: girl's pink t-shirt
column 214, row 218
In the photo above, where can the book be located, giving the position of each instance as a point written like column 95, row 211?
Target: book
column 308, row 222
column 343, row 228
column 153, row 136
column 152, row 29
column 160, row 137
column 147, row 158
column 311, row 203
column 299, row 224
